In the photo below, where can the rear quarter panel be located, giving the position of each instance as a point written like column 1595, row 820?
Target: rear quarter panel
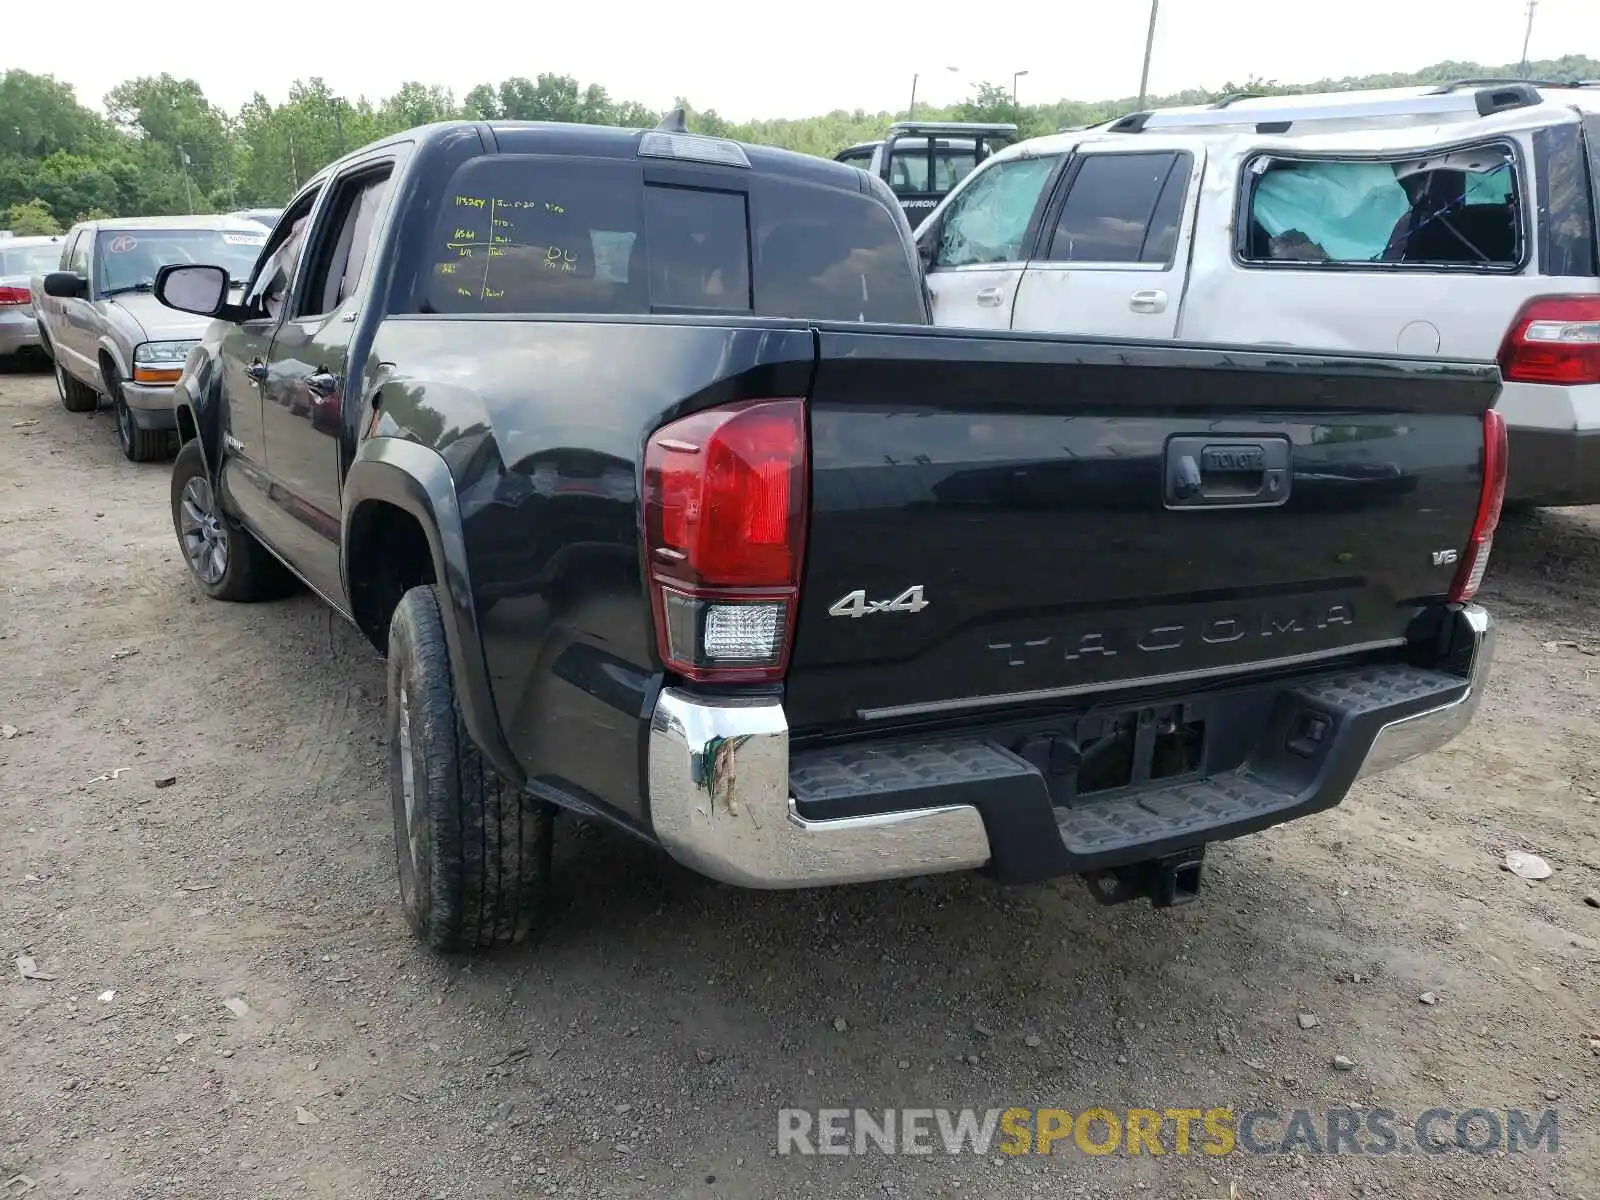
column 542, row 424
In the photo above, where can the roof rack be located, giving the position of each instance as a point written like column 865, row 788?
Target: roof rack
column 970, row 128
column 1224, row 101
column 1309, row 110
column 1456, row 85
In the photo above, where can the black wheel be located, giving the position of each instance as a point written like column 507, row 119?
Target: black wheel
column 473, row 851
column 75, row 397
column 138, row 445
column 225, row 560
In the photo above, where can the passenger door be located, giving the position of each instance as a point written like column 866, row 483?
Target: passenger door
column 1115, row 245
column 245, row 349
column 976, row 250
column 307, row 371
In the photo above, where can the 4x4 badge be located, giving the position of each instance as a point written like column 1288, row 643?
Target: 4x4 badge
column 856, row 604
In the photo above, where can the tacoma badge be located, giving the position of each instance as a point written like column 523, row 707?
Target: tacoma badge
column 856, row 603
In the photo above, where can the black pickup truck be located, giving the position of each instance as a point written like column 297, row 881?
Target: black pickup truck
column 636, row 454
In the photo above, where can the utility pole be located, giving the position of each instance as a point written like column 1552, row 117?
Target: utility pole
column 1533, row 6
column 188, row 188
column 1149, row 45
column 911, row 109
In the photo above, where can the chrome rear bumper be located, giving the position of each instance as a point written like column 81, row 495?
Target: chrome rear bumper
column 720, row 798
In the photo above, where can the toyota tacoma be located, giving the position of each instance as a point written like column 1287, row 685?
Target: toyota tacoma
column 637, row 456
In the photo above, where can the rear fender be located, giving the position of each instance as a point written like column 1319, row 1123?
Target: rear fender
column 414, row 479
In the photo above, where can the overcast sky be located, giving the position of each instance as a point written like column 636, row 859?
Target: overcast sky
column 749, row 59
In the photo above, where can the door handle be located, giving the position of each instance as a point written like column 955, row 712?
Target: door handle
column 1148, row 300
column 322, row 383
column 989, row 298
column 256, row 370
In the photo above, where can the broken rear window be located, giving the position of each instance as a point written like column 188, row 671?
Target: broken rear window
column 1461, row 208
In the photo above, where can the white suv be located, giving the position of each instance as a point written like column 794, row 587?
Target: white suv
column 1456, row 221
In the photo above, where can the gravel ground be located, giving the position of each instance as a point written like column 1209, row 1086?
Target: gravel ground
column 197, row 849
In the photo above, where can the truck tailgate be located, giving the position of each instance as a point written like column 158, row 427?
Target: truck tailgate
column 998, row 519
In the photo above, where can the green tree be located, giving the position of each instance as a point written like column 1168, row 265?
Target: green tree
column 31, row 219
column 181, row 132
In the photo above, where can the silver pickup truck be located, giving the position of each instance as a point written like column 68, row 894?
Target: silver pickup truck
column 109, row 336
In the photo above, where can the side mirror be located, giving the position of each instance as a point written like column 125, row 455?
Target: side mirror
column 66, row 285
column 192, row 289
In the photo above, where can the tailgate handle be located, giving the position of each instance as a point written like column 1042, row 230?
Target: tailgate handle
column 1221, row 472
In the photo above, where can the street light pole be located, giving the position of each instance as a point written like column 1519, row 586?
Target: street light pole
column 1149, row 45
column 1015, row 75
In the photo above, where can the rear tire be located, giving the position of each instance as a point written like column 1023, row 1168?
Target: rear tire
column 75, row 397
column 224, row 559
column 473, row 850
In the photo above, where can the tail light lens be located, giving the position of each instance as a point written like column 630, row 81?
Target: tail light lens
column 14, row 295
column 725, row 529
column 1555, row 339
column 1469, row 575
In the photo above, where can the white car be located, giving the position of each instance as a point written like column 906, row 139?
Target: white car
column 1456, row 221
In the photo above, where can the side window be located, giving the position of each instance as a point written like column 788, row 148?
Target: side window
column 1456, row 208
column 831, row 255
column 857, row 158
column 698, row 247
column 342, row 249
column 988, row 219
column 908, row 166
column 276, row 270
column 1122, row 208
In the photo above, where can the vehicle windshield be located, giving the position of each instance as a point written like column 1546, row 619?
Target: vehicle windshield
column 128, row 259
column 29, row 260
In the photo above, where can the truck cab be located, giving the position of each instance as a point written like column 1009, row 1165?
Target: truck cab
column 922, row 161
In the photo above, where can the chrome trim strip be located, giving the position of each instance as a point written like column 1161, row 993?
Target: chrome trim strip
column 720, row 804
column 1079, row 689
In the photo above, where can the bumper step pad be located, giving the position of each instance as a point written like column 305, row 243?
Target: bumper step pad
column 1280, row 777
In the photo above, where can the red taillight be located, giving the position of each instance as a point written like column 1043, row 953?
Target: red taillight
column 725, row 529
column 1475, row 560
column 14, row 295
column 1555, row 339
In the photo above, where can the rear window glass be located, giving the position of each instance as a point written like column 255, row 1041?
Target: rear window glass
column 828, row 255
column 1458, row 208
column 531, row 235
column 910, row 162
column 698, row 248
column 29, row 260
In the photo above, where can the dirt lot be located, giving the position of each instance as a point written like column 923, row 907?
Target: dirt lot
column 193, row 811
